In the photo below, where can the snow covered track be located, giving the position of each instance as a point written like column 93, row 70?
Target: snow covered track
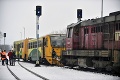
column 13, row 73
column 22, row 73
column 33, row 72
column 102, row 71
column 61, row 73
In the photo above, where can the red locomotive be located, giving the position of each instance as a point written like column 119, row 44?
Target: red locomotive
column 94, row 43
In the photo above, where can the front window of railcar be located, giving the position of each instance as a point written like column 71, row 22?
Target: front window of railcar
column 58, row 41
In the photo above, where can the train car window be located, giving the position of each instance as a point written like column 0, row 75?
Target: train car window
column 111, row 30
column 106, row 28
column 98, row 29
column 29, row 45
column 35, row 44
column 86, row 30
column 101, row 28
column 18, row 47
column 76, row 31
column 93, row 30
column 117, row 26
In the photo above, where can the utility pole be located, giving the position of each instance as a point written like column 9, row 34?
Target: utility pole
column 102, row 9
column 20, row 47
column 38, row 14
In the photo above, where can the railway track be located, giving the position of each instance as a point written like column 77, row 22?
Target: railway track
column 13, row 73
column 19, row 72
column 102, row 71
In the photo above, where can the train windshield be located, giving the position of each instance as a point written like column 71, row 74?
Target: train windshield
column 58, row 41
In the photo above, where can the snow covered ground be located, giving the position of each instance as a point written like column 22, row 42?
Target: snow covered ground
column 54, row 73
column 60, row 73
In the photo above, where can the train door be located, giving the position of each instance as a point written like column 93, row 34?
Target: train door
column 69, row 38
column 18, row 50
column 44, row 60
column 76, row 37
column 43, row 47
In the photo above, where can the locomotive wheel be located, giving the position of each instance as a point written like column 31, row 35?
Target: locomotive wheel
column 109, row 68
column 89, row 62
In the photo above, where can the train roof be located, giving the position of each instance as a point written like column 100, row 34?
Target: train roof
column 114, row 16
column 73, row 24
column 19, row 41
column 34, row 39
column 55, row 35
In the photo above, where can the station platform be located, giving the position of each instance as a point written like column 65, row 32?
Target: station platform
column 4, row 73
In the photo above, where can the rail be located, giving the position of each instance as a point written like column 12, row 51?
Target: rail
column 33, row 72
column 13, row 73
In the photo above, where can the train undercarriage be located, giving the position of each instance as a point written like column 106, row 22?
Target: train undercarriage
column 97, row 59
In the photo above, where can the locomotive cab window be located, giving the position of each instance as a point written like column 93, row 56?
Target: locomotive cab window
column 69, row 32
column 76, row 31
column 86, row 30
column 93, row 29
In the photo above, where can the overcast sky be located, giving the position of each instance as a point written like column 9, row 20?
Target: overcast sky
column 15, row 15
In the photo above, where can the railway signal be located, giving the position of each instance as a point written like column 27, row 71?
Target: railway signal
column 4, row 40
column 79, row 14
column 38, row 14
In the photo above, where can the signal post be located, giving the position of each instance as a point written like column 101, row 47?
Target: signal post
column 38, row 14
column 4, row 40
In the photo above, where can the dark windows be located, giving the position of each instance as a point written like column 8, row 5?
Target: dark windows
column 117, row 26
column 76, row 31
column 69, row 32
column 86, row 30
